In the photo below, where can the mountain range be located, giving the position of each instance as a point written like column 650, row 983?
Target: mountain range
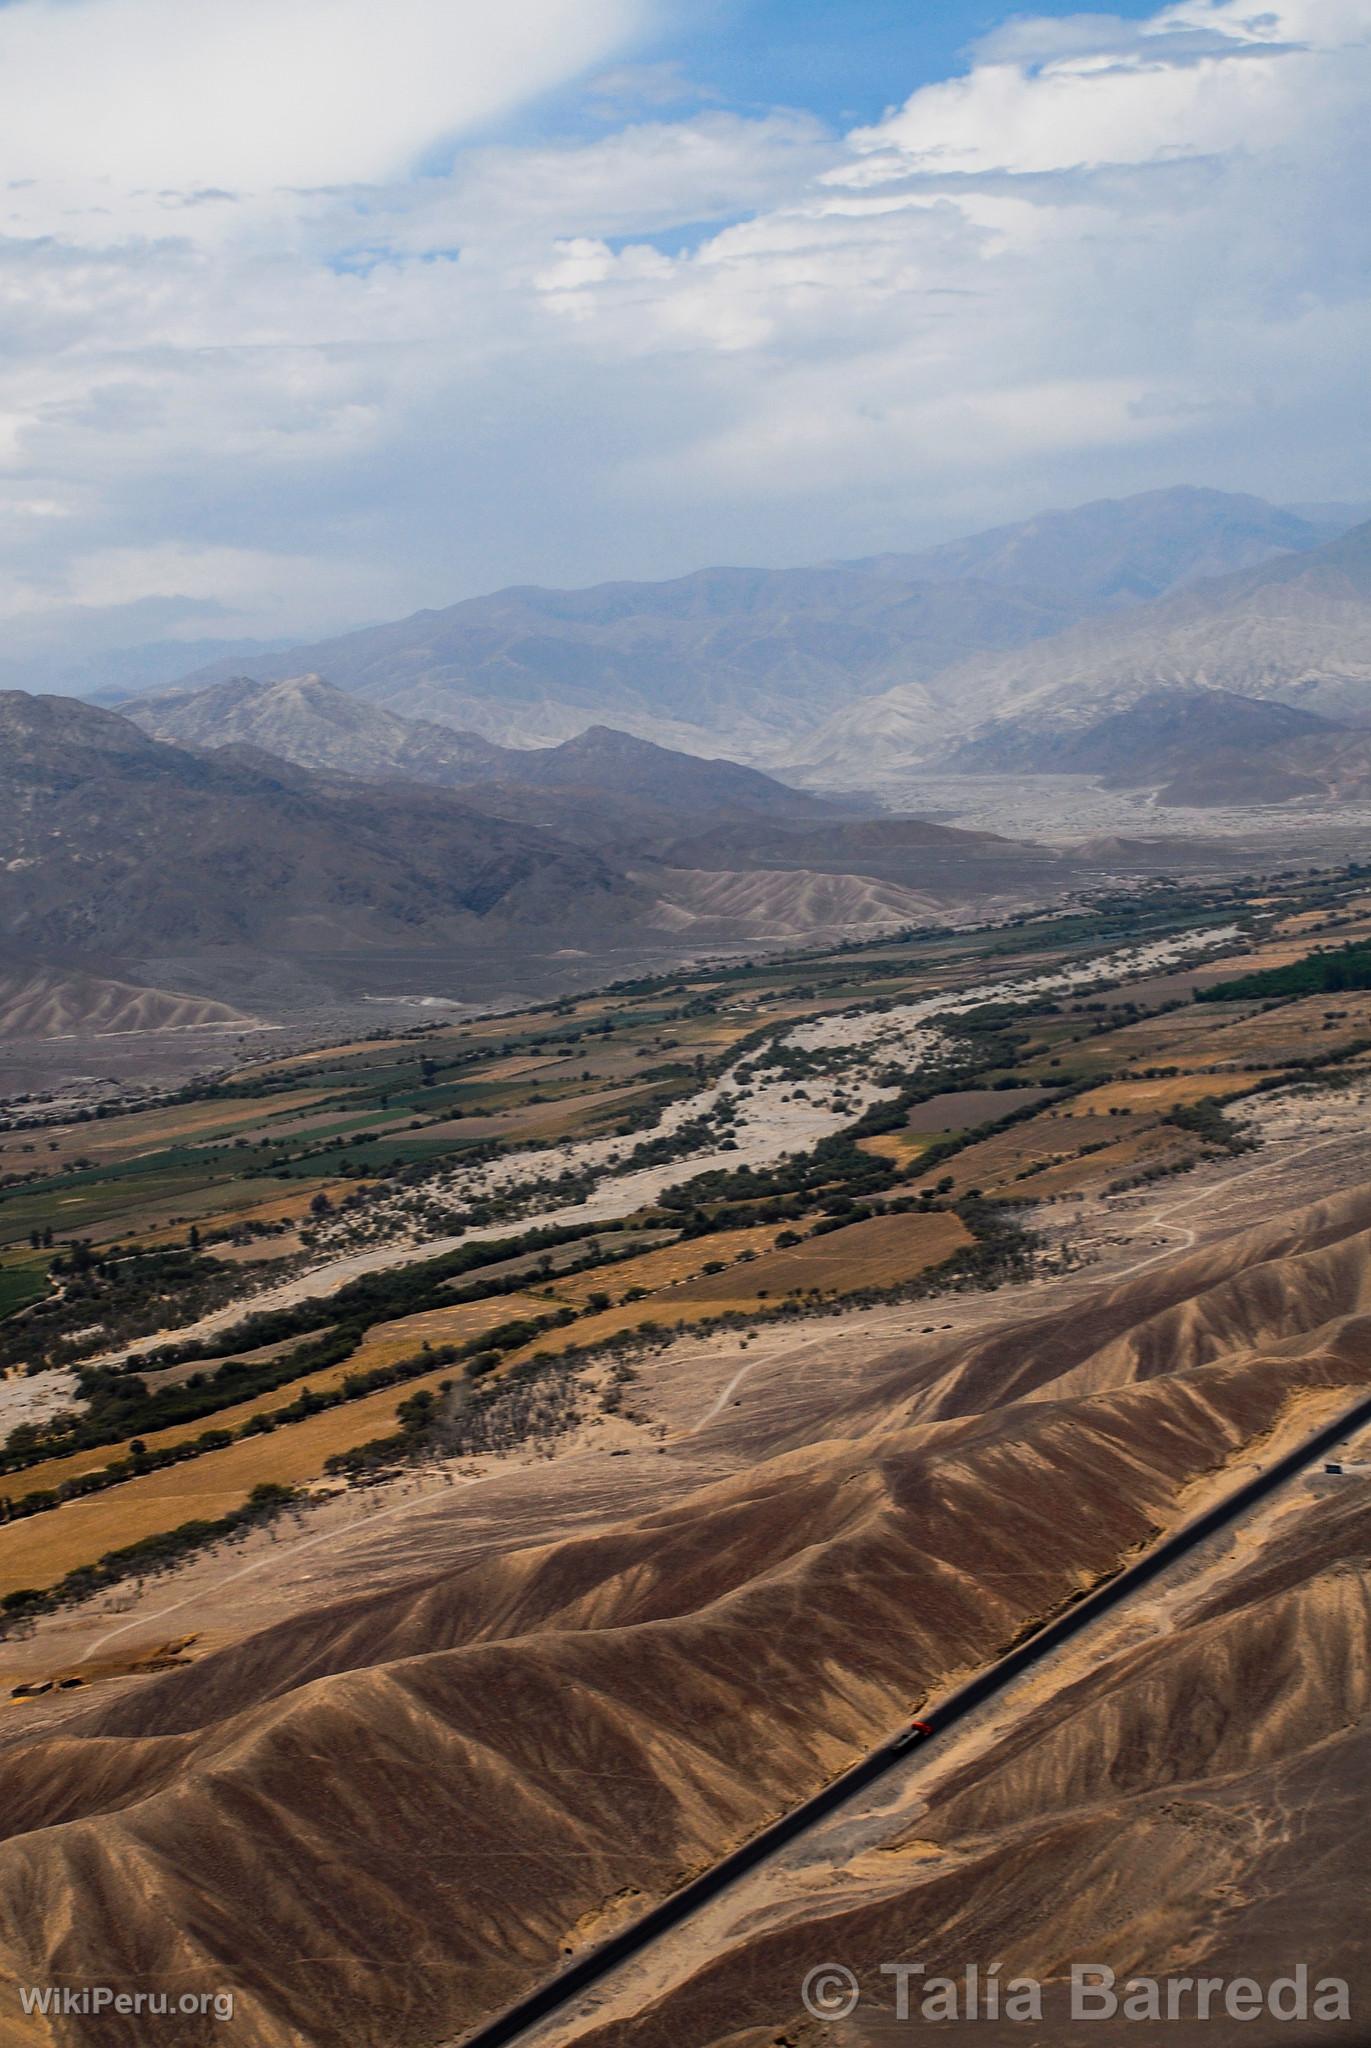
column 811, row 668
column 137, row 871
column 1295, row 631
column 113, row 844
column 226, row 822
column 308, row 721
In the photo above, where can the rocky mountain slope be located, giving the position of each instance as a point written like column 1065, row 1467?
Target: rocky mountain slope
column 114, row 846
column 229, row 874
column 306, row 720
column 751, row 660
column 1295, row 631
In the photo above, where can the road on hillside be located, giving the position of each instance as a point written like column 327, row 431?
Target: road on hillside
column 939, row 1718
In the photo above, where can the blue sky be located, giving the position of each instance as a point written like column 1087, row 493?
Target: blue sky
column 312, row 313
column 844, row 62
column 847, row 60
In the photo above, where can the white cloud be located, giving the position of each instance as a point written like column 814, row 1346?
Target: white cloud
column 251, row 94
column 1114, row 254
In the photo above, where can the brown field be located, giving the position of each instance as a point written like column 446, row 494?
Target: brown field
column 941, row 1115
column 275, row 1209
column 119, row 1138
column 1177, row 986
column 1270, row 953
column 385, row 1345
column 881, row 1252
column 460, row 1324
column 1062, row 1058
column 1190, row 1037
column 559, row 1256
column 519, row 1065
column 1302, row 921
column 997, row 1164
column 1130, row 1155
column 352, row 1048
column 558, row 1118
column 54, row 1471
column 43, row 1548
column 1142, row 1098
column 902, row 1148
column 970, row 1106
column 665, row 1266
column 176, row 1375
column 1242, row 1034
column 261, row 1251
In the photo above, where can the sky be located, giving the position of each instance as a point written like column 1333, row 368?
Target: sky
column 314, row 312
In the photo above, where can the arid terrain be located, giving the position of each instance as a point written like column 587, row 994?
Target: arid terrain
column 685, row 1024
column 471, row 1480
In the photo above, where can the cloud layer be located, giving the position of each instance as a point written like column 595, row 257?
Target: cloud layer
column 290, row 334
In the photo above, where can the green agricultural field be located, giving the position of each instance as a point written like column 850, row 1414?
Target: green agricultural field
column 21, row 1282
column 116, row 1203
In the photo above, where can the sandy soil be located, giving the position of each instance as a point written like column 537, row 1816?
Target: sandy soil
column 25, row 1399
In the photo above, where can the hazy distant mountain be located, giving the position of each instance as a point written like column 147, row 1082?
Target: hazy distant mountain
column 1334, row 516
column 1121, row 550
column 1296, row 631
column 108, row 675
column 730, row 658
column 114, row 846
column 622, row 765
column 1151, row 739
column 1332, row 765
column 131, row 867
column 748, row 661
column 1193, row 746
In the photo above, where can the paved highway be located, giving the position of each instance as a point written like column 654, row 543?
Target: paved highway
column 937, row 1719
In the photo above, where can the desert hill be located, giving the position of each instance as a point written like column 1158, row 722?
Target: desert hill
column 1223, row 1758
column 235, row 875
column 396, row 1804
column 45, row 1003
